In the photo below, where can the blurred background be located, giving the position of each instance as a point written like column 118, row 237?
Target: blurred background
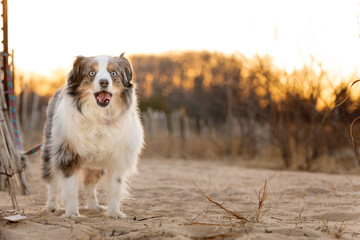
column 246, row 81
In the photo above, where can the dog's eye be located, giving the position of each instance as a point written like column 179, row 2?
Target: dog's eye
column 113, row 74
column 92, row 73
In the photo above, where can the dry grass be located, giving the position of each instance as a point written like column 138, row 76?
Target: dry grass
column 339, row 230
column 336, row 231
column 262, row 196
column 299, row 217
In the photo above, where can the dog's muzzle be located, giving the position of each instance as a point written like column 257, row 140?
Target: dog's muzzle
column 103, row 98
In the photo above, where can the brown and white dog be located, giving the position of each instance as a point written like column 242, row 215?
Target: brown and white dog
column 92, row 125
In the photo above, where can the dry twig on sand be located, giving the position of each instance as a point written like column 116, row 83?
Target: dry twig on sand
column 299, row 217
column 339, row 231
column 231, row 213
column 218, row 236
column 210, row 224
column 262, row 195
column 195, row 218
column 147, row 218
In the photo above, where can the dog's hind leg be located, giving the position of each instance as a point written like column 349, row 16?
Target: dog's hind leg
column 49, row 176
column 91, row 178
column 52, row 203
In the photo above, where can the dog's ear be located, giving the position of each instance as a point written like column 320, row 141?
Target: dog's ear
column 75, row 75
column 127, row 74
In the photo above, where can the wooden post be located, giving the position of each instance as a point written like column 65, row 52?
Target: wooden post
column 5, row 51
column 19, row 162
column 182, row 132
column 230, row 116
column 5, row 26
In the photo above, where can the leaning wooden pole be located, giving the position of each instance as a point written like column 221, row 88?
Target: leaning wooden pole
column 5, row 50
column 12, row 161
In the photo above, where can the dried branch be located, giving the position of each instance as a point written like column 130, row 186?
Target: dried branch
column 194, row 219
column 143, row 219
column 231, row 213
column 210, row 224
column 342, row 102
column 7, row 175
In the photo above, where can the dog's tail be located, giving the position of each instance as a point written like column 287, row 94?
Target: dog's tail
column 46, row 164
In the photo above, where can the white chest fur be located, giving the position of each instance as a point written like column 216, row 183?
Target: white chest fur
column 100, row 136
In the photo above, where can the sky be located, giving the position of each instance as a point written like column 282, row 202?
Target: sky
column 47, row 35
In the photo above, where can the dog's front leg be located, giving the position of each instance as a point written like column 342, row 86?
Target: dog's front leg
column 69, row 163
column 115, row 183
column 71, row 196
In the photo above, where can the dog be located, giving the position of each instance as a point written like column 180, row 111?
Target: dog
column 92, row 125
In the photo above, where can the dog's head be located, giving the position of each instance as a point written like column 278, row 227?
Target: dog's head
column 101, row 79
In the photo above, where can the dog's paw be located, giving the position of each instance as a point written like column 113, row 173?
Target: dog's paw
column 71, row 215
column 51, row 207
column 116, row 215
column 96, row 207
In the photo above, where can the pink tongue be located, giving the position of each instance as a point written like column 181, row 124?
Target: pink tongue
column 103, row 96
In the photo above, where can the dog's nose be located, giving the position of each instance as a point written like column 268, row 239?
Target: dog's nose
column 104, row 83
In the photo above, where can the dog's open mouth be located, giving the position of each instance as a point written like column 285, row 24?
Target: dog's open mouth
column 103, row 98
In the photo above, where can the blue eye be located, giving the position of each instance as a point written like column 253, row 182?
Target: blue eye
column 92, row 73
column 113, row 74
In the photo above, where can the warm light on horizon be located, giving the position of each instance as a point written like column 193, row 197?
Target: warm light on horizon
column 47, row 35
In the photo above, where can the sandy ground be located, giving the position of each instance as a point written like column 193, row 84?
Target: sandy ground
column 166, row 204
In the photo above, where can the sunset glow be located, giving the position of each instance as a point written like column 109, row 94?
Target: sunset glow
column 47, row 35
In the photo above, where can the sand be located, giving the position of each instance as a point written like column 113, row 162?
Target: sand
column 166, row 204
